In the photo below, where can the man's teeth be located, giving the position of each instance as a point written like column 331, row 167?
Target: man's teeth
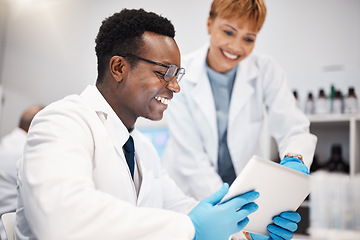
column 231, row 56
column 163, row 100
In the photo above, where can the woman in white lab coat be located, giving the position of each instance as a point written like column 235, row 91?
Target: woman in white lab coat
column 202, row 119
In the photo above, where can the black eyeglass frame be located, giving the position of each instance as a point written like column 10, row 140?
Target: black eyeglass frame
column 178, row 74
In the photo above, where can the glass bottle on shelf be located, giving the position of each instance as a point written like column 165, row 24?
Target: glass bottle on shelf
column 321, row 104
column 296, row 98
column 336, row 162
column 337, row 103
column 309, row 104
column 331, row 97
column 351, row 102
column 315, row 165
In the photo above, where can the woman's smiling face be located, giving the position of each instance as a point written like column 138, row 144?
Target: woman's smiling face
column 230, row 42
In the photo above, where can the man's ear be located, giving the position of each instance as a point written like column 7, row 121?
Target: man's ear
column 118, row 67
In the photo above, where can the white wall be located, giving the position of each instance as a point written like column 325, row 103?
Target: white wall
column 3, row 17
column 316, row 41
column 49, row 51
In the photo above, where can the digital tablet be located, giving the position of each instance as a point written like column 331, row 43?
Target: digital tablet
column 281, row 189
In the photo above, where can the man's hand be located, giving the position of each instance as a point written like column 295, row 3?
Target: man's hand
column 215, row 221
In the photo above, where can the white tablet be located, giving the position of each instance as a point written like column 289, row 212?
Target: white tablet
column 281, row 189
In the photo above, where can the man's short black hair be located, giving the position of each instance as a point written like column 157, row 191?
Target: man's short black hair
column 122, row 33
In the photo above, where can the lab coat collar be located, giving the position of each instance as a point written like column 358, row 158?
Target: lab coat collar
column 197, row 67
column 114, row 126
column 116, row 130
column 246, row 73
column 15, row 140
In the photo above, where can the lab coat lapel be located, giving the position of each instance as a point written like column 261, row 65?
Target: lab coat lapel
column 242, row 90
column 202, row 92
column 147, row 191
column 117, row 133
column 117, row 138
column 115, row 129
column 146, row 183
column 204, row 99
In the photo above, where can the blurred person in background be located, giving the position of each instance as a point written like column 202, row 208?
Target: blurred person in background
column 11, row 149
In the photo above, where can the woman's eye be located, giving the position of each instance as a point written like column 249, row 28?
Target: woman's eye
column 229, row 33
column 249, row 40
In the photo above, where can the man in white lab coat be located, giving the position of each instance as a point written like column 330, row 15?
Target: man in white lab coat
column 77, row 178
column 11, row 149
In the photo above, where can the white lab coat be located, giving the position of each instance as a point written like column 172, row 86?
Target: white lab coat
column 11, row 148
column 260, row 98
column 75, row 184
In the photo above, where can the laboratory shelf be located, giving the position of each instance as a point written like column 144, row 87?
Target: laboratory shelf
column 330, row 129
column 343, row 129
column 338, row 129
column 323, row 118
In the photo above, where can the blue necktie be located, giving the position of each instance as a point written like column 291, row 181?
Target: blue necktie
column 129, row 155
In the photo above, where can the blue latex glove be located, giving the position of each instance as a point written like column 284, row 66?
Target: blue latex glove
column 282, row 229
column 295, row 164
column 219, row 222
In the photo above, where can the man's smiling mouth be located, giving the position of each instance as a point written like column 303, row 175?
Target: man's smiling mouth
column 163, row 100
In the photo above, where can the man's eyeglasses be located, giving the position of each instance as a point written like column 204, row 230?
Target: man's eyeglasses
column 172, row 69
